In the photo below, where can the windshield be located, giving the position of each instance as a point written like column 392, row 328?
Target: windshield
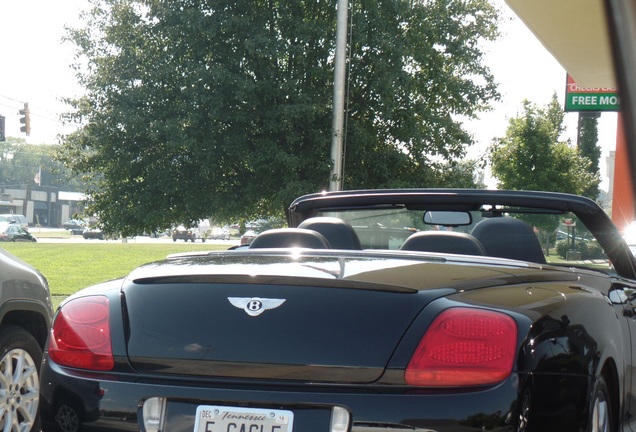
column 562, row 237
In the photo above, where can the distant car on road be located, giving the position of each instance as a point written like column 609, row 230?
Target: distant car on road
column 93, row 233
column 247, row 237
column 10, row 232
column 73, row 224
column 183, row 233
column 219, row 233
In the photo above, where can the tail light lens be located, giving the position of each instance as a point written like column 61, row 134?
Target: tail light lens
column 80, row 334
column 464, row 347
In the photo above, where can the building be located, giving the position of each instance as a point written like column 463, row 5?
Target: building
column 42, row 206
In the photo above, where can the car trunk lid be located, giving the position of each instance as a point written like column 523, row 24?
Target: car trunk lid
column 315, row 319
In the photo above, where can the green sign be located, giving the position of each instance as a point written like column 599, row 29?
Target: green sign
column 590, row 99
column 591, row 102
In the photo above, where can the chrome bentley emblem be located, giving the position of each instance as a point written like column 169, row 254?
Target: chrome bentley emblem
column 255, row 306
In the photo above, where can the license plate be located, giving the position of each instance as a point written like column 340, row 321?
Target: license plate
column 211, row 418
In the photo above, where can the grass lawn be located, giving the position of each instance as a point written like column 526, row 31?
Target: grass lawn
column 70, row 267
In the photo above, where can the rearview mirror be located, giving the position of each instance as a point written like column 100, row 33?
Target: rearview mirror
column 447, row 218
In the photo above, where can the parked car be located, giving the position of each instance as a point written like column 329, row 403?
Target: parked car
column 16, row 219
column 93, row 233
column 25, row 316
column 185, row 234
column 374, row 311
column 219, row 233
column 73, row 224
column 11, row 232
column 247, row 237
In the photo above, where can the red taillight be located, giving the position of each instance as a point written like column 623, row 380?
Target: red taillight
column 464, row 347
column 80, row 335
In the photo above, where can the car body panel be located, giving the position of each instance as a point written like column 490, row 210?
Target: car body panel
column 22, row 284
column 26, row 313
column 311, row 408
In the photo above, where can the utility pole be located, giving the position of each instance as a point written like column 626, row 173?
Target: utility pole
column 337, row 152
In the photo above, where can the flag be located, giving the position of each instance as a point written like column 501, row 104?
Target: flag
column 38, row 177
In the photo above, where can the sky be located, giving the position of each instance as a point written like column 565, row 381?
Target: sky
column 35, row 68
column 34, row 64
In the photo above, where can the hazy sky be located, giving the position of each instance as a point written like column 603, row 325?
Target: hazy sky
column 34, row 68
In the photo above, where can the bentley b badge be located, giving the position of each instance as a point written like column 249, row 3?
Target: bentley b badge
column 255, row 306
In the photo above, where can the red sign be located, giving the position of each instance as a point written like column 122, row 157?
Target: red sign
column 573, row 87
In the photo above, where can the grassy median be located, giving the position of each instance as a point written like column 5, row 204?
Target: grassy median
column 70, row 267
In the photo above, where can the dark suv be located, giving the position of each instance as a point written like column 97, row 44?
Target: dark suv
column 25, row 317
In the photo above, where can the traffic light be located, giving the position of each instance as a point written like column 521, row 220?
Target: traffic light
column 25, row 120
column 2, row 134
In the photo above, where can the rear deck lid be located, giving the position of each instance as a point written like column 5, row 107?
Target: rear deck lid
column 311, row 319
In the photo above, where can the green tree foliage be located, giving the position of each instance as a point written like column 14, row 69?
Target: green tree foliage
column 589, row 148
column 19, row 162
column 222, row 108
column 15, row 171
column 532, row 157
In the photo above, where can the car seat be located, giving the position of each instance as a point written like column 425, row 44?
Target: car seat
column 290, row 238
column 444, row 242
column 507, row 237
column 338, row 233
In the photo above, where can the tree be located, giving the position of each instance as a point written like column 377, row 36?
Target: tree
column 531, row 157
column 19, row 162
column 588, row 147
column 222, row 108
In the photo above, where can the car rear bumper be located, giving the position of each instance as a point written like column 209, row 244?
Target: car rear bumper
column 372, row 409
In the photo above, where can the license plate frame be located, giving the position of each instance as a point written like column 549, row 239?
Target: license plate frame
column 221, row 418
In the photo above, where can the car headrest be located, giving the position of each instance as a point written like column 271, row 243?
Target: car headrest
column 290, row 238
column 507, row 237
column 444, row 242
column 338, row 233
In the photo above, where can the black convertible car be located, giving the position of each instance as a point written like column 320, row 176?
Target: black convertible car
column 391, row 310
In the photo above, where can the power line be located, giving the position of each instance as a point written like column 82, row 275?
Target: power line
column 12, row 99
column 8, row 106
